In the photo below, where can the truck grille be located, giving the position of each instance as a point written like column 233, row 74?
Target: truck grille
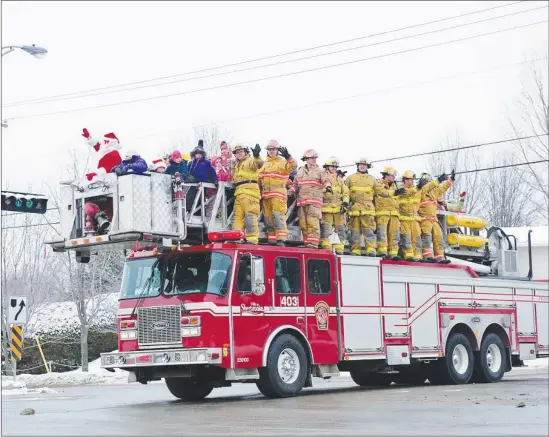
column 159, row 325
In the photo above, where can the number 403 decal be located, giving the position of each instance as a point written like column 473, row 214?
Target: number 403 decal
column 289, row 301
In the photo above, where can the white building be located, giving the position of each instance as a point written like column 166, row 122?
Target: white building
column 540, row 250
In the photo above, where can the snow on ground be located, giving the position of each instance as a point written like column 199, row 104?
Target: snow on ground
column 27, row 383
column 96, row 376
column 539, row 363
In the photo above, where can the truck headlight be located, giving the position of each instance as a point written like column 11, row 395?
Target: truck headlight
column 128, row 335
column 190, row 332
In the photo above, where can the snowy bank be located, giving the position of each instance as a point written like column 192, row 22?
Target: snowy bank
column 95, row 376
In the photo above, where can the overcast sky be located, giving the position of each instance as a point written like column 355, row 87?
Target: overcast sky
column 99, row 44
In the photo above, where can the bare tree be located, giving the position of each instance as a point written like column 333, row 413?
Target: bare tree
column 25, row 268
column 461, row 160
column 533, row 119
column 212, row 136
column 508, row 201
column 89, row 285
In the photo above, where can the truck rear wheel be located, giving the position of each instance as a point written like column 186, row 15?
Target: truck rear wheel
column 458, row 364
column 188, row 389
column 287, row 368
column 365, row 378
column 490, row 365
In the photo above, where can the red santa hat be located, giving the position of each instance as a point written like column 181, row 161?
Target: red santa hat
column 110, row 138
column 158, row 163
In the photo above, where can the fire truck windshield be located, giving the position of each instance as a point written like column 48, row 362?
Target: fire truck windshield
column 142, row 278
column 198, row 273
column 180, row 274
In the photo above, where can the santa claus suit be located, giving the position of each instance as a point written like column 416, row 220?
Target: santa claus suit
column 108, row 150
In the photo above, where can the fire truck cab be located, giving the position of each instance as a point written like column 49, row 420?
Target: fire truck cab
column 202, row 310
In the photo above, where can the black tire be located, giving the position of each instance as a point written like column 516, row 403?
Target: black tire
column 488, row 357
column 188, row 389
column 444, row 371
column 364, row 378
column 270, row 383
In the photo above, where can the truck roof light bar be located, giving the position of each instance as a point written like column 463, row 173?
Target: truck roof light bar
column 234, row 235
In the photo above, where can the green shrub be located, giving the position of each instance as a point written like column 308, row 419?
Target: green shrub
column 64, row 350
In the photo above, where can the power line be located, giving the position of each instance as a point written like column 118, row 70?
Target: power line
column 60, row 98
column 271, row 56
column 453, row 149
column 28, row 226
column 502, row 166
column 339, row 99
column 280, row 75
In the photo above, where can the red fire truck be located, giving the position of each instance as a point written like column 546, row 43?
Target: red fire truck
column 204, row 310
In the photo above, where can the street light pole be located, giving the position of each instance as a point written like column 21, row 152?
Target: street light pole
column 37, row 52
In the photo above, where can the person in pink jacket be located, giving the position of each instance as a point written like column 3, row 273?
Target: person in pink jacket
column 222, row 163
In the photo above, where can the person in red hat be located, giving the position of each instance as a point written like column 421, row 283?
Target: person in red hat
column 108, row 150
column 158, row 166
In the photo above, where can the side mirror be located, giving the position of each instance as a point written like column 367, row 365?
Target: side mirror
column 258, row 276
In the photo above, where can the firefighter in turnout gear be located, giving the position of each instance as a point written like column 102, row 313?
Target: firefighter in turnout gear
column 431, row 233
column 334, row 207
column 410, row 232
column 273, row 177
column 309, row 183
column 247, row 194
column 363, row 187
column 387, row 216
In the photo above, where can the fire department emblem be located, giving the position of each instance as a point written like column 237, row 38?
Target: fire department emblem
column 322, row 314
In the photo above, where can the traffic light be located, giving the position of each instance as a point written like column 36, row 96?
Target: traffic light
column 28, row 204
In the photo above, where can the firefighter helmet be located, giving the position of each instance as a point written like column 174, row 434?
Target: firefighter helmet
column 389, row 171
column 238, row 147
column 363, row 160
column 426, row 176
column 309, row 153
column 332, row 161
column 273, row 143
column 408, row 174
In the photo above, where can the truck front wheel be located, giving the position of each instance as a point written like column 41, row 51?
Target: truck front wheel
column 188, row 389
column 287, row 368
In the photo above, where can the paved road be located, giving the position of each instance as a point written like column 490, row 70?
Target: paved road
column 331, row 407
